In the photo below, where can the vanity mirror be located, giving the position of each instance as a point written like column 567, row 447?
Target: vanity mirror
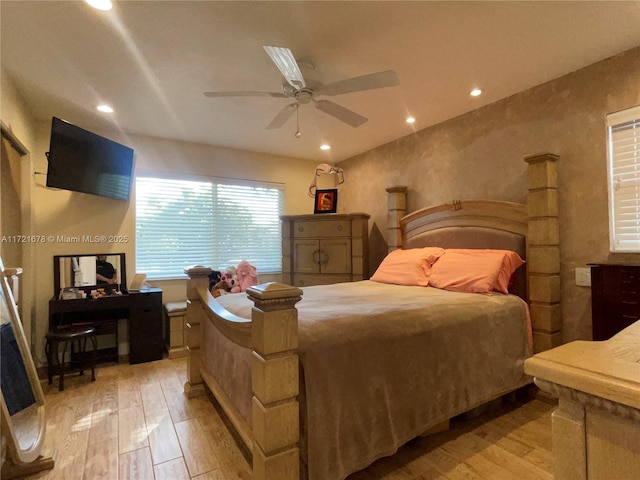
column 87, row 272
column 22, row 400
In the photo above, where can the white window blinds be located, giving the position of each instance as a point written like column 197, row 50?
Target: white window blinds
column 623, row 153
column 206, row 221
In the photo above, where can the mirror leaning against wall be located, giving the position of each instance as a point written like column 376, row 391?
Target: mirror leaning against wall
column 22, row 399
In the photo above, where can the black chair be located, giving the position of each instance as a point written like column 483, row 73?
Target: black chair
column 73, row 340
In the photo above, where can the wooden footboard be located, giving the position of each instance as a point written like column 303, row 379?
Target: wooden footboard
column 272, row 334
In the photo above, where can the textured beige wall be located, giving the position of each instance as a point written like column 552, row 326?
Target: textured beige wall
column 14, row 112
column 480, row 155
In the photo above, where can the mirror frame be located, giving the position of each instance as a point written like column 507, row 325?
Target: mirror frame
column 56, row 270
column 18, row 454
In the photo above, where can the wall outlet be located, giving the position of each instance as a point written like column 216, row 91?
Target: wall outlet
column 583, row 277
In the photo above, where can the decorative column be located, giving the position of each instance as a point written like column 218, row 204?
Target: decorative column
column 593, row 437
column 569, row 433
column 543, row 251
column 198, row 278
column 396, row 209
column 275, row 377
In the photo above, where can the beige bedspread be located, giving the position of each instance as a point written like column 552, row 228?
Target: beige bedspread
column 383, row 363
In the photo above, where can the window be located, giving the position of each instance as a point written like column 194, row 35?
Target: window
column 623, row 166
column 206, row 221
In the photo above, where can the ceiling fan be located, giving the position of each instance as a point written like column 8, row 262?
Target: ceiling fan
column 296, row 87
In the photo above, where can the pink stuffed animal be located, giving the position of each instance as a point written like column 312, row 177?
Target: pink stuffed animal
column 247, row 275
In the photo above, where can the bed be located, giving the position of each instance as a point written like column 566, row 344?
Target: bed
column 319, row 388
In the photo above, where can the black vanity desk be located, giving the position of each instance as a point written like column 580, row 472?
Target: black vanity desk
column 143, row 311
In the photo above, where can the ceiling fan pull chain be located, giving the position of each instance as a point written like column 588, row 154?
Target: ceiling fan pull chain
column 298, row 134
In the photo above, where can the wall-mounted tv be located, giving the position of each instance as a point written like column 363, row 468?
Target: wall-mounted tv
column 85, row 162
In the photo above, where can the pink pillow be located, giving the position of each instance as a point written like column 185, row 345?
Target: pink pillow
column 510, row 263
column 407, row 267
column 475, row 271
column 464, row 271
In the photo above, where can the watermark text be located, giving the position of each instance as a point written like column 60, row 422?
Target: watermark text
column 64, row 239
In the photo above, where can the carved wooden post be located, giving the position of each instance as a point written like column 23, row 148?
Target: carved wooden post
column 397, row 208
column 274, row 374
column 569, row 441
column 569, row 432
column 543, row 251
column 198, row 278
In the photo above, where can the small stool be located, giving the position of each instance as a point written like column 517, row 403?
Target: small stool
column 75, row 336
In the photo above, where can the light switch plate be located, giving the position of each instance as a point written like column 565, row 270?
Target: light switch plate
column 583, row 277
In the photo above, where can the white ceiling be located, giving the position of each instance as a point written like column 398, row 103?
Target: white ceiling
column 152, row 61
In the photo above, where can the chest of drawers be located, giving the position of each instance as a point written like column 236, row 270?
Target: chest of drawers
column 322, row 249
column 615, row 298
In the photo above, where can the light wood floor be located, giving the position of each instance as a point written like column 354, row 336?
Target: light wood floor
column 134, row 422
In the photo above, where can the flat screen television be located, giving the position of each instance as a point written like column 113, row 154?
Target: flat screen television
column 85, row 162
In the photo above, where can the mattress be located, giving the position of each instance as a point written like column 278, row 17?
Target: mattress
column 383, row 363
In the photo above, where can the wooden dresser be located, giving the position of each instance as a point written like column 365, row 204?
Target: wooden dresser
column 325, row 248
column 615, row 298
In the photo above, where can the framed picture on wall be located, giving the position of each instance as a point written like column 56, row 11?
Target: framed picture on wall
column 326, row 201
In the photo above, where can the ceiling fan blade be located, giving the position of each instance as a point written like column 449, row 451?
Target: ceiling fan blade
column 281, row 118
column 357, row 84
column 341, row 113
column 245, row 94
column 286, row 63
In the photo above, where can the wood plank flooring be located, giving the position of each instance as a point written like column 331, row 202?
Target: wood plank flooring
column 134, row 423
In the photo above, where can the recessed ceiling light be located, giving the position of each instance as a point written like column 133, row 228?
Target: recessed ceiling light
column 324, row 146
column 100, row 4
column 410, row 120
column 105, row 108
column 475, row 92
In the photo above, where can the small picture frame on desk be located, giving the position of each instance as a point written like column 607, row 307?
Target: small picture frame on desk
column 326, row 201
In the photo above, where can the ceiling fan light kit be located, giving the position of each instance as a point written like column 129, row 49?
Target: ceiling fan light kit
column 296, row 88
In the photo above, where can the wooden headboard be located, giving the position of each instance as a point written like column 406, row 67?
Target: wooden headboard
column 531, row 230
